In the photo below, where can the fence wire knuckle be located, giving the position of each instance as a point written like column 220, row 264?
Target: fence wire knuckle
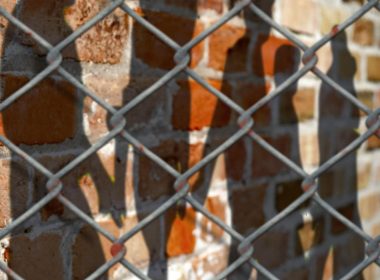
column 245, row 122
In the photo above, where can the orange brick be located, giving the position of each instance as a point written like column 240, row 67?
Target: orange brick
column 229, row 49
column 181, row 239
column 195, row 107
column 264, row 55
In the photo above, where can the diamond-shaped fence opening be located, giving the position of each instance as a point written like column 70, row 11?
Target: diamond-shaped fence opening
column 309, row 191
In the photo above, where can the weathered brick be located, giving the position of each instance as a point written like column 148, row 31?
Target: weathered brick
column 46, row 114
column 8, row 5
column 163, row 56
column 212, row 263
column 364, row 32
column 14, row 190
column 229, row 49
column 195, row 107
column 103, row 43
column 373, row 64
column 119, row 90
column 37, row 258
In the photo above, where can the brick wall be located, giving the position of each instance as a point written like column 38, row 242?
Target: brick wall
column 182, row 122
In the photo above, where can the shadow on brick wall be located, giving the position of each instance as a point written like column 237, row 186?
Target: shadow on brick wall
column 47, row 122
column 255, row 190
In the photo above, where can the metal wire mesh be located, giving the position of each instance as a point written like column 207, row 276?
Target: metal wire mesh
column 245, row 121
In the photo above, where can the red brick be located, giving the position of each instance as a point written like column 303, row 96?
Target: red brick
column 37, row 258
column 286, row 193
column 46, row 114
column 229, row 49
column 338, row 227
column 247, row 205
column 364, row 32
column 181, row 239
column 246, row 94
column 90, row 250
column 272, row 239
column 236, row 157
column 195, row 107
column 103, row 43
column 264, row 164
column 163, row 56
column 264, row 60
column 14, row 190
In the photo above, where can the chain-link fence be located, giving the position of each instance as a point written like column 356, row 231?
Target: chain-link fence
column 245, row 121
